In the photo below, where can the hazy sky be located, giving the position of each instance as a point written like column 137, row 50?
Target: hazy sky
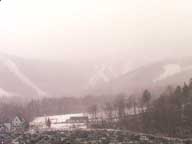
column 86, row 29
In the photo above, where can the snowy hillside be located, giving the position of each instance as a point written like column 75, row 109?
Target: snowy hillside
column 171, row 70
column 102, row 74
column 154, row 76
column 12, row 68
column 35, row 79
column 105, row 73
column 22, row 77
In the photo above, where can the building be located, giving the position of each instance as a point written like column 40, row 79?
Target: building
column 18, row 121
column 78, row 119
column 7, row 127
column 78, row 122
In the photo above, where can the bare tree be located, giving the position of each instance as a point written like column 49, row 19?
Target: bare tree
column 145, row 99
column 120, row 106
column 132, row 104
column 93, row 111
column 108, row 110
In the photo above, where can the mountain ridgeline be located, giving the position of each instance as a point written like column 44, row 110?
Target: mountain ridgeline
column 154, row 76
column 27, row 78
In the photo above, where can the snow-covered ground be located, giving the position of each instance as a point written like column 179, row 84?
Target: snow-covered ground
column 4, row 93
column 13, row 68
column 58, row 122
column 170, row 70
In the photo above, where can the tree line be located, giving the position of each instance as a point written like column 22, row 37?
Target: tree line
column 169, row 115
column 10, row 107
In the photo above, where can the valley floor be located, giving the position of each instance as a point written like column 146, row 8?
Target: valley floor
column 88, row 137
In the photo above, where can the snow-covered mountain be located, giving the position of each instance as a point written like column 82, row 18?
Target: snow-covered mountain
column 11, row 74
column 35, row 78
column 105, row 73
column 154, row 76
column 11, row 66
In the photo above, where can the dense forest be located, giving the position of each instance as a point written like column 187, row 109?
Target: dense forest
column 169, row 114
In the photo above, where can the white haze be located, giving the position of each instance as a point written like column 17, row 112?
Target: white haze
column 74, row 30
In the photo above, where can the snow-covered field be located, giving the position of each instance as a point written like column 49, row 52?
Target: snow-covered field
column 58, row 122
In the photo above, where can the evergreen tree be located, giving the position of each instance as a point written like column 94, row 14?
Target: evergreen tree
column 132, row 103
column 185, row 93
column 145, row 100
column 178, row 96
column 48, row 122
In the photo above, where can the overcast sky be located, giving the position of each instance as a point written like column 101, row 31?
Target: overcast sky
column 87, row 29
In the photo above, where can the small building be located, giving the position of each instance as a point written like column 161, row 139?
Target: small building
column 80, row 119
column 78, row 122
column 2, row 128
column 18, row 121
column 7, row 127
column 18, row 124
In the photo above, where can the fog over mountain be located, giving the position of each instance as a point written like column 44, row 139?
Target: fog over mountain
column 78, row 47
column 95, row 71
column 155, row 76
column 40, row 78
column 29, row 78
